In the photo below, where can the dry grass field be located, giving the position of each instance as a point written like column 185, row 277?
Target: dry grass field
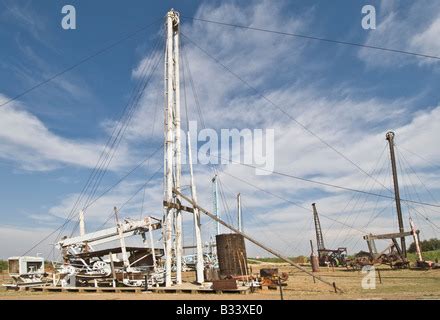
column 396, row 285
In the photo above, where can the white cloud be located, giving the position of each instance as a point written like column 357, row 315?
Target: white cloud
column 15, row 241
column 24, row 17
column 27, row 141
column 100, row 210
column 411, row 27
column 427, row 40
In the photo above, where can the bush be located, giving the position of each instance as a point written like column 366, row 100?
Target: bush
column 3, row 265
column 426, row 255
column 426, row 245
column 299, row 259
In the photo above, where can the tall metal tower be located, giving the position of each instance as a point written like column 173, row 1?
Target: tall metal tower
column 318, row 230
column 390, row 137
column 172, row 154
column 172, row 220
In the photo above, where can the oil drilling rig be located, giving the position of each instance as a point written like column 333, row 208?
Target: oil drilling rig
column 394, row 254
column 326, row 257
column 84, row 265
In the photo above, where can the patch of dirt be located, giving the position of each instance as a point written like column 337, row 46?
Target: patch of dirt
column 396, row 284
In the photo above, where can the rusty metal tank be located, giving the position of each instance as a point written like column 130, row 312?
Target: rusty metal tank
column 231, row 254
column 314, row 261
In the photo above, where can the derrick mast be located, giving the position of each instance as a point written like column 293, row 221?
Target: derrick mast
column 318, row 230
column 172, row 155
column 390, row 138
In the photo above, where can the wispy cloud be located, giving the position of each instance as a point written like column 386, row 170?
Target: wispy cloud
column 411, row 27
column 26, row 140
column 15, row 241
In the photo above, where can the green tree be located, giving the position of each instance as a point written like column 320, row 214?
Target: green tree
column 426, row 245
column 3, row 265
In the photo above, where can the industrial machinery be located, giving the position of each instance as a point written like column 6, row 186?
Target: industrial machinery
column 209, row 257
column 394, row 255
column 190, row 261
column 26, row 271
column 272, row 278
column 326, row 257
column 82, row 263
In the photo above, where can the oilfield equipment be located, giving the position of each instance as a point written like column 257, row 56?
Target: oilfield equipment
column 327, row 257
column 82, row 263
column 217, row 265
column 146, row 266
column 26, row 270
column 394, row 254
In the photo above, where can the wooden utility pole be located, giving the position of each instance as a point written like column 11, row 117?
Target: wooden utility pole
column 390, row 138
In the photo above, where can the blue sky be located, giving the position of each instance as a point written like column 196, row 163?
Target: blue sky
column 51, row 137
